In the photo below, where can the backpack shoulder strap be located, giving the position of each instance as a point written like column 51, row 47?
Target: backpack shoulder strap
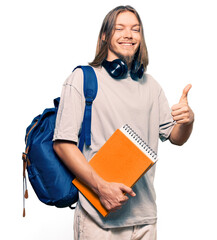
column 90, row 92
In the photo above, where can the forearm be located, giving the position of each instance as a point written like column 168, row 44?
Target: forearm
column 77, row 164
column 181, row 133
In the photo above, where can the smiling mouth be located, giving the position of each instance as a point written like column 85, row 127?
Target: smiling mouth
column 126, row 44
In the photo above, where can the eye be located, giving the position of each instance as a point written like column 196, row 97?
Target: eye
column 118, row 29
column 136, row 29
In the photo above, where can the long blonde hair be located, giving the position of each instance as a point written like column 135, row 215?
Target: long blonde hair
column 106, row 33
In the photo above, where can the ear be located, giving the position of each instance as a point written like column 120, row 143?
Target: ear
column 103, row 37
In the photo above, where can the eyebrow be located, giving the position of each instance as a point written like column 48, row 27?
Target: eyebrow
column 122, row 25
column 135, row 25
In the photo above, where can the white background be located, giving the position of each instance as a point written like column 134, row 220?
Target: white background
column 42, row 41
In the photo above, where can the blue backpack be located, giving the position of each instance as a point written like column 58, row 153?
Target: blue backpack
column 49, row 177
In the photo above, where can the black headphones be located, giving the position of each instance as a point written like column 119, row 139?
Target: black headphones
column 118, row 69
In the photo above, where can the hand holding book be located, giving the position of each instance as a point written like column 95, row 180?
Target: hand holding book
column 113, row 195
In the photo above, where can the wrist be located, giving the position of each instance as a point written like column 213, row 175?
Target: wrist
column 98, row 184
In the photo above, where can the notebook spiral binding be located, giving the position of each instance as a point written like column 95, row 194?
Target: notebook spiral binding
column 140, row 141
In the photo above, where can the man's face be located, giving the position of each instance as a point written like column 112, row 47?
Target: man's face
column 126, row 38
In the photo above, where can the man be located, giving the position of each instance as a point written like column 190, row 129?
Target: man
column 134, row 98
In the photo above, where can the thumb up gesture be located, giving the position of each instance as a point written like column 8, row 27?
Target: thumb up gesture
column 181, row 112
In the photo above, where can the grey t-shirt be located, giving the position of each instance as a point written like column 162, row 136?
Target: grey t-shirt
column 140, row 104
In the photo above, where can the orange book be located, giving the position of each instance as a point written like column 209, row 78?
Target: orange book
column 124, row 158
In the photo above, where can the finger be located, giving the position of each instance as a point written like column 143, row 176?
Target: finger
column 112, row 206
column 178, row 106
column 180, row 111
column 115, row 209
column 176, row 113
column 128, row 190
column 185, row 94
column 124, row 199
column 182, row 121
column 180, row 117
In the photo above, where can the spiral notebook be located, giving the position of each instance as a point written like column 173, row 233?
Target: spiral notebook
column 124, row 158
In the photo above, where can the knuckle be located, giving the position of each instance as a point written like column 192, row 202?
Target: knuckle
column 185, row 108
column 109, row 208
column 117, row 205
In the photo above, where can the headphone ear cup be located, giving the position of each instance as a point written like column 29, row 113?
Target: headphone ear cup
column 137, row 71
column 116, row 69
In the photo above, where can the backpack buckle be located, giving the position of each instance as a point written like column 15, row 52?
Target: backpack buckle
column 24, row 157
column 89, row 101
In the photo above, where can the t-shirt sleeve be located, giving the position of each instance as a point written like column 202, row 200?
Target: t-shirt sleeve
column 71, row 108
column 166, row 123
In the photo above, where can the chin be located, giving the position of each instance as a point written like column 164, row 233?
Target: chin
column 128, row 58
column 125, row 55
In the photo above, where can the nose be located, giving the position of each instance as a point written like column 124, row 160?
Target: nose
column 127, row 33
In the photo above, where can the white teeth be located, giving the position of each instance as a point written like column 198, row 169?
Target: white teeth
column 127, row 44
